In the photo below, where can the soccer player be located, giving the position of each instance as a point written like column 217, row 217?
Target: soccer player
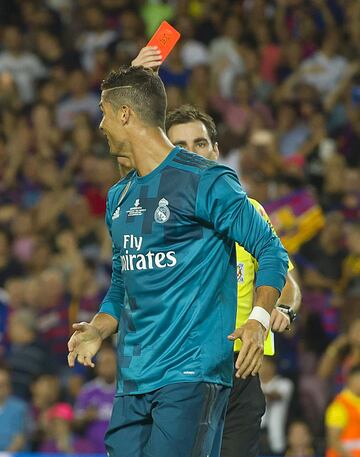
column 173, row 222
column 195, row 131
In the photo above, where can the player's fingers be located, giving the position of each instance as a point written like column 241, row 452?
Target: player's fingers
column 72, row 342
column 151, row 51
column 252, row 364
column 88, row 360
column 147, row 49
column 152, row 62
column 150, row 59
column 147, row 54
column 257, row 366
column 81, row 358
column 281, row 323
column 71, row 358
column 284, row 326
column 276, row 323
column 242, row 354
column 245, row 369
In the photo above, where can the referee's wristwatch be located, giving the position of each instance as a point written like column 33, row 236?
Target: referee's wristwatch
column 286, row 309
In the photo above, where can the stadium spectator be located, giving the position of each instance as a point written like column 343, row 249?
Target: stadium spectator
column 13, row 417
column 343, row 419
column 95, row 37
column 278, row 392
column 350, row 280
column 325, row 68
column 57, row 423
column 299, row 440
column 86, row 294
column 9, row 266
column 27, row 358
column 79, row 100
column 45, row 392
column 341, row 355
column 25, row 67
column 53, row 318
column 94, row 404
column 321, row 260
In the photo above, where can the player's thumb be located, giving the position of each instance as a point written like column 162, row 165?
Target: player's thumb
column 237, row 333
column 80, row 326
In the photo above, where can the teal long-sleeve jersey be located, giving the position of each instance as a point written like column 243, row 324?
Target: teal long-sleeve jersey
column 173, row 287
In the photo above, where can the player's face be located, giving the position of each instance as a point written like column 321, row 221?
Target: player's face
column 194, row 137
column 112, row 127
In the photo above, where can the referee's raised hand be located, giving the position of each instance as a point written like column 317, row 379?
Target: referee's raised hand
column 252, row 335
column 148, row 57
column 84, row 344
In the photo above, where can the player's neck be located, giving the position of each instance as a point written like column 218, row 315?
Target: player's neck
column 150, row 147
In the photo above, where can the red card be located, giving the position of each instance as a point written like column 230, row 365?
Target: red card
column 165, row 38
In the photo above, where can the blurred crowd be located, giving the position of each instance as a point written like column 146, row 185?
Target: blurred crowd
column 282, row 80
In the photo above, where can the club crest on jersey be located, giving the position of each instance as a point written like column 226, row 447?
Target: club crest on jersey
column 240, row 272
column 162, row 212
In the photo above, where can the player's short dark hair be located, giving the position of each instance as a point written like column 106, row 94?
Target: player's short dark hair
column 141, row 89
column 188, row 113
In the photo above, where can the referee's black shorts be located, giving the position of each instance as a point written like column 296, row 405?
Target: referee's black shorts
column 241, row 436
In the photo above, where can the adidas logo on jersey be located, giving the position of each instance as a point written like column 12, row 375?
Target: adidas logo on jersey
column 116, row 213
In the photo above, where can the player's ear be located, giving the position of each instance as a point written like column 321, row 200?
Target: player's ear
column 124, row 114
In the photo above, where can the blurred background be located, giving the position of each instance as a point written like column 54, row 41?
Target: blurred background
column 282, row 80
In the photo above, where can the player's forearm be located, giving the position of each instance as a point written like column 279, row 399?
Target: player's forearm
column 291, row 294
column 105, row 324
column 266, row 298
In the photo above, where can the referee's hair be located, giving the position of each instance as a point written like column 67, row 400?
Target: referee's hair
column 139, row 88
column 188, row 113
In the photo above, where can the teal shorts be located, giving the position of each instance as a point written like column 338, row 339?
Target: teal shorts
column 178, row 420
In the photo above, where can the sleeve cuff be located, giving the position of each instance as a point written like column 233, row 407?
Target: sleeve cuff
column 265, row 278
column 107, row 308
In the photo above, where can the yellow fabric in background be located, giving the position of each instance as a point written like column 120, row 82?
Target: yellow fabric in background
column 336, row 414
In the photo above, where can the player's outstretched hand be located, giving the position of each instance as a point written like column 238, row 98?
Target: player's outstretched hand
column 252, row 335
column 279, row 322
column 148, row 57
column 83, row 344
